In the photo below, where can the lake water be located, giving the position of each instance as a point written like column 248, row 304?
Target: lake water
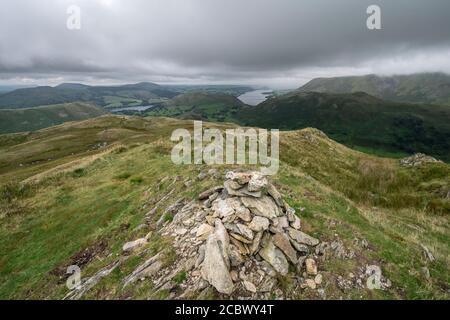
column 255, row 97
column 137, row 108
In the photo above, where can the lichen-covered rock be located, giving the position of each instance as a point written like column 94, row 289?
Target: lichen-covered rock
column 259, row 223
column 417, row 159
column 204, row 231
column 302, row 237
column 264, row 206
column 206, row 194
column 282, row 242
column 311, row 266
column 274, row 257
column 214, row 268
column 134, row 245
column 257, row 182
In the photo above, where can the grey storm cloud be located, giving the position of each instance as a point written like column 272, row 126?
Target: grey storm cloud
column 274, row 42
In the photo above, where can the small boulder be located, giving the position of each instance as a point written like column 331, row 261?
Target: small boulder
column 311, row 266
column 204, row 231
column 214, row 269
column 302, row 237
column 302, row 248
column 309, row 283
column 296, row 224
column 281, row 222
column 264, row 206
column 318, row 279
column 134, row 245
column 206, row 194
column 222, row 207
column 257, row 182
column 245, row 231
column 274, row 257
column 244, row 214
column 240, row 177
column 282, row 242
column 259, row 224
column 235, row 255
column 271, row 190
column 249, row 286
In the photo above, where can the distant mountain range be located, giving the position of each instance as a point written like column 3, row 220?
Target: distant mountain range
column 106, row 96
column 73, row 92
column 421, row 87
column 377, row 120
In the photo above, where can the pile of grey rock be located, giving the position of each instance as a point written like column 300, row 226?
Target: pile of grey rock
column 238, row 238
column 249, row 235
column 417, row 159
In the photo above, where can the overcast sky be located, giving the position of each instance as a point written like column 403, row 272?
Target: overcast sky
column 276, row 43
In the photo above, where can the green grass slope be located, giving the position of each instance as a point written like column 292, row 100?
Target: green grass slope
column 422, row 87
column 30, row 119
column 74, row 193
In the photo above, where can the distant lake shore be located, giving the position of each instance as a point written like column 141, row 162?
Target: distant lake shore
column 255, row 97
column 135, row 108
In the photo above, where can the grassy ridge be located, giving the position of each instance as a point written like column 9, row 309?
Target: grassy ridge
column 422, row 87
column 74, row 92
column 17, row 120
column 99, row 195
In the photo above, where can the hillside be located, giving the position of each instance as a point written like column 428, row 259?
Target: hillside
column 234, row 90
column 422, row 87
column 30, row 119
column 77, row 192
column 358, row 120
column 104, row 96
column 201, row 106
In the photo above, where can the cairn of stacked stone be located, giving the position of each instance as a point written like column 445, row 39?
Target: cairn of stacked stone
column 417, row 159
column 237, row 237
column 250, row 232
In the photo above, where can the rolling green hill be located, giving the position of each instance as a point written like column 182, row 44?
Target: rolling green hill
column 30, row 119
column 422, row 87
column 74, row 92
column 358, row 120
column 107, row 96
column 234, row 90
column 75, row 193
column 201, row 106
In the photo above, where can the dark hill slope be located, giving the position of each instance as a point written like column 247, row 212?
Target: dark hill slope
column 30, row 119
column 358, row 119
column 72, row 92
column 422, row 87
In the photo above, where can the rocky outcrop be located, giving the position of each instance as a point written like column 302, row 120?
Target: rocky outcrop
column 215, row 267
column 240, row 236
column 240, row 241
column 417, row 159
column 237, row 238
